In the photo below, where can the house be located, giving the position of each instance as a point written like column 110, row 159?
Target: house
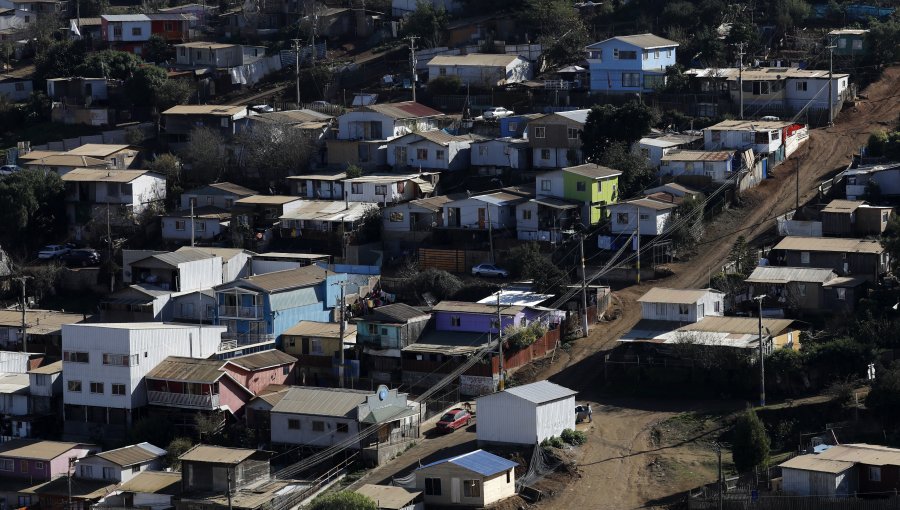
column 258, row 309
column 200, row 54
column 547, row 219
column 491, row 210
column 331, row 224
column 763, row 136
column 849, row 42
column 415, row 216
column 515, row 126
column 739, row 333
column 122, row 464
column 198, row 13
column 717, row 166
column 178, row 271
column 387, row 189
column 15, row 404
column 471, row 480
column 259, row 370
column 90, row 192
column 77, row 90
column 843, row 470
column 60, row 163
column 386, row 121
column 383, row 333
column 205, row 223
column 317, row 347
column 784, row 91
column 675, row 190
column 254, row 219
column 540, row 410
column 179, row 121
column 221, row 195
column 493, row 156
column 842, row 218
column 555, row 139
column 15, row 89
column 43, row 329
column 385, row 421
column 311, row 125
column 319, row 186
column 630, row 64
column 681, row 305
column 460, row 316
column 481, row 70
column 390, row 497
column 654, row 148
column 153, row 490
column 430, row 150
column 104, row 367
column 860, row 180
column 269, row 262
column 126, row 32
column 117, row 155
column 27, row 462
column 646, row 216
column 173, row 27
column 593, row 185
column 257, row 412
column 858, row 257
column 794, row 288
column 46, row 388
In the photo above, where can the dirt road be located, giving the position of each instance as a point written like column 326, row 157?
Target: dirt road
column 621, row 468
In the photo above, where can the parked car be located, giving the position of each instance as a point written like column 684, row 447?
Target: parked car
column 52, row 251
column 8, row 170
column 262, row 108
column 83, row 257
column 497, row 112
column 453, row 419
column 489, row 270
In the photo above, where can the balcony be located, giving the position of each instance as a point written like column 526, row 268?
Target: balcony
column 234, row 340
column 183, row 400
column 241, row 312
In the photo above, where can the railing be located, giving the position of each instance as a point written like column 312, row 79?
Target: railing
column 242, row 312
column 234, row 340
column 183, row 400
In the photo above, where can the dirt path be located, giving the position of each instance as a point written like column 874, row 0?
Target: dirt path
column 620, row 467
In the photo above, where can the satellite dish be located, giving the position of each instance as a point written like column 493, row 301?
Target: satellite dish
column 383, row 392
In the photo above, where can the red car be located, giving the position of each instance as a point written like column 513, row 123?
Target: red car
column 454, row 419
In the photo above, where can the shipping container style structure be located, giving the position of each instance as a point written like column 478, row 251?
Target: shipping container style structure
column 539, row 410
column 681, row 305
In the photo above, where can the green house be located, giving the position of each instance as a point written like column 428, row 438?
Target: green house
column 849, row 42
column 593, row 185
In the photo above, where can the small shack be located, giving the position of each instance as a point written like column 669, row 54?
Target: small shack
column 539, row 410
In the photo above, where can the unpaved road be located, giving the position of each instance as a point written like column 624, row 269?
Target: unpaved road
column 620, row 466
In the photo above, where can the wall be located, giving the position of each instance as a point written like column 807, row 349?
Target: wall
column 719, row 170
column 257, row 380
column 606, row 70
column 281, row 434
column 671, row 313
column 16, row 90
column 653, row 224
column 469, row 216
column 350, row 126
column 473, row 322
column 497, row 153
column 204, row 229
column 452, row 477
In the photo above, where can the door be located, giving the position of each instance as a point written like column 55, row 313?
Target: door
column 454, row 490
column 480, row 218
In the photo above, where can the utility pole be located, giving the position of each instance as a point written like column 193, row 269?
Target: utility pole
column 22, row 279
column 830, row 82
column 718, row 448
column 297, row 68
column 797, row 190
column 342, row 333
column 637, row 236
column 228, row 486
column 192, row 221
column 69, row 472
column 109, row 253
column 412, row 64
column 487, row 206
column 585, row 323
column 741, row 78
column 502, row 384
column 762, row 366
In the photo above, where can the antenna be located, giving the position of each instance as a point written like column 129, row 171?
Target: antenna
column 413, row 62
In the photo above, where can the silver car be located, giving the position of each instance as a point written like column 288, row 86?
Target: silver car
column 489, row 270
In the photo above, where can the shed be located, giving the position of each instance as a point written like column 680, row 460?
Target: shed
column 474, row 479
column 539, row 410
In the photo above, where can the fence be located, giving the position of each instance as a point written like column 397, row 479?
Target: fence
column 296, row 498
column 116, row 136
column 783, row 502
column 454, row 261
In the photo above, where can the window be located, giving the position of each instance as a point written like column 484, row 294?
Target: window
column 454, row 321
column 717, row 306
column 432, row 486
column 24, row 500
column 646, row 54
column 656, row 54
column 96, row 387
column 631, row 79
column 39, row 465
column 293, row 424
column 315, row 346
column 123, row 360
column 108, row 473
column 669, row 53
column 581, row 186
column 169, row 26
column 74, row 386
column 841, row 294
column 572, row 133
column 472, row 488
column 342, row 428
column 200, row 226
column 135, row 30
column 396, row 217
column 801, row 289
column 229, row 202
column 857, row 44
column 624, row 55
column 118, row 389
column 87, row 471
column 356, row 188
column 117, row 30
column 381, row 189
column 804, row 257
column 654, row 81
column 545, row 185
column 181, row 51
column 179, row 224
column 136, row 469
column 874, row 474
column 318, row 426
column 20, row 86
column 76, row 357
column 701, row 310
column 545, row 154
column 210, row 201
column 482, row 149
column 801, row 86
column 42, row 380
column 7, row 465
column 442, row 71
column 660, row 309
column 421, row 153
column 842, row 43
column 644, row 216
column 526, row 214
column 495, row 324
column 683, row 309
column 622, row 218
column 23, row 466
column 540, row 132
column 513, row 127
column 439, row 155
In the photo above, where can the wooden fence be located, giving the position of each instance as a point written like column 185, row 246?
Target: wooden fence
column 454, row 261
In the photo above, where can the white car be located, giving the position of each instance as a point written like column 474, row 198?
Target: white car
column 489, row 270
column 52, row 251
column 498, row 112
column 8, row 170
column 262, row 108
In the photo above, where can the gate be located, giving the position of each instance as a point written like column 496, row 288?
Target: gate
column 442, row 400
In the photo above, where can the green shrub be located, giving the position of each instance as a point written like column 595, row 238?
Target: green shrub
column 521, row 337
column 573, row 437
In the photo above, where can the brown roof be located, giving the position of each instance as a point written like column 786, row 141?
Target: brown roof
column 289, row 279
column 320, row 329
column 466, row 307
column 210, row 109
column 746, row 325
column 102, row 175
column 749, row 125
column 131, row 455
column 843, row 206
column 97, row 150
column 273, row 393
column 231, row 187
column 261, row 360
column 39, row 322
column 650, row 203
column 267, row 200
column 154, row 482
column 52, row 368
column 402, row 110
column 321, row 401
column 644, row 41
column 34, row 449
column 684, row 155
column 208, row 212
column 336, row 175
column 592, row 170
column 474, row 59
column 388, row 497
column 830, row 244
column 217, row 454
column 195, row 370
column 68, row 160
column 839, row 458
column 680, row 296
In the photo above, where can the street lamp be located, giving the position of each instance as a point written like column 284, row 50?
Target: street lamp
column 762, row 355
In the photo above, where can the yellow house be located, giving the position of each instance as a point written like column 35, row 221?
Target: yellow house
column 471, row 480
column 317, row 345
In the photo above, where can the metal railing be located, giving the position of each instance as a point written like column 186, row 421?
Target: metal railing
column 183, row 400
column 232, row 340
column 241, row 312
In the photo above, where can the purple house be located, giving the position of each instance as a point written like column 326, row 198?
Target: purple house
column 460, row 316
column 28, row 462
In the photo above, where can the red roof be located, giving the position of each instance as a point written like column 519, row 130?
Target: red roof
column 404, row 110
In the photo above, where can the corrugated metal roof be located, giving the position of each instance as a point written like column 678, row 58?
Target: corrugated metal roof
column 644, row 41
column 843, row 206
column 321, row 401
column 217, row 454
column 403, row 110
column 273, row 393
column 466, row 307
column 52, row 368
column 97, row 150
column 846, row 281
column 592, row 170
column 782, row 275
column 432, row 203
column 830, row 244
column 208, row 212
column 501, row 198
column 68, row 160
column 381, row 178
column 13, row 383
column 39, row 322
column 541, row 392
column 329, row 210
column 154, row 482
column 178, row 368
column 683, row 155
column 131, row 455
column 481, row 462
column 749, row 125
column 741, row 325
column 230, row 187
column 267, row 200
column 320, row 329
column 263, row 359
column 82, row 489
column 292, row 117
column 125, row 17
column 678, row 296
column 173, row 258
column 649, row 203
column 556, row 203
column 102, row 175
column 337, row 175
column 388, row 497
column 817, row 464
column 399, row 312
column 474, row 59
column 873, row 455
column 34, row 449
column 449, row 343
column 208, row 109
column 205, row 45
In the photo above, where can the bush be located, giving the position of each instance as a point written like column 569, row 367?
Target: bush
column 521, row 337
column 344, row 500
column 444, row 85
column 573, row 437
column 553, row 442
column 441, row 284
column 750, row 445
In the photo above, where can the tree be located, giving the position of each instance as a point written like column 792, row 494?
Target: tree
column 444, row 85
column 59, row 59
column 272, row 151
column 883, row 40
column 111, row 64
column 884, row 144
column 439, row 283
column 527, row 262
column 33, row 209
column 750, row 446
column 890, row 240
column 204, row 151
column 428, row 23
column 172, row 92
column 353, row 171
column 169, row 166
column 559, row 28
column 742, row 257
column 607, row 124
column 788, row 13
column 93, row 8
column 884, row 398
column 344, row 500
column 370, row 225
column 157, row 49
column 689, row 232
column 176, row 449
column 143, row 84
column 636, row 174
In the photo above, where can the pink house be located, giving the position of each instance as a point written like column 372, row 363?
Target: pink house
column 191, row 384
column 258, row 370
column 32, row 462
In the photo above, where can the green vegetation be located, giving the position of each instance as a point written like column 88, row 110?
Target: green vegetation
column 750, row 445
column 573, row 437
column 428, row 23
column 344, row 500
column 520, row 337
column 441, row 284
column 607, row 124
column 527, row 262
column 33, row 211
column 885, row 144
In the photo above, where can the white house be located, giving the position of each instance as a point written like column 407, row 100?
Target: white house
column 385, row 188
column 14, row 402
column 122, row 464
column 222, row 195
column 653, row 148
column 119, row 28
column 15, row 89
column 486, row 70
column 717, row 165
column 385, row 121
column 217, row 55
column 184, row 270
column 319, row 186
column 415, row 216
column 500, row 153
column 209, row 223
column 885, row 175
column 152, row 490
column 430, row 150
column 539, row 410
column 680, row 305
column 128, row 191
column 763, row 136
column 495, row 209
column 104, row 365
column 471, row 480
column 652, row 215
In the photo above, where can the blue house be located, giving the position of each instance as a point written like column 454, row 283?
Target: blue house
column 514, row 125
column 630, row 63
column 258, row 309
